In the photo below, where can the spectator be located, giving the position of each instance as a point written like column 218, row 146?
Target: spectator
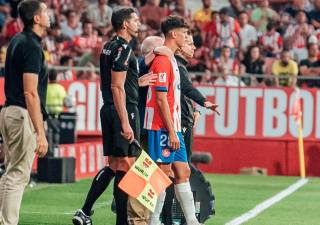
column 50, row 45
column 151, row 14
column 208, row 31
column 206, row 78
column 271, row 41
column 4, row 12
column 201, row 58
column 297, row 5
column 100, row 14
column 287, row 69
column 80, row 6
column 315, row 14
column 72, row 26
column 248, row 34
column 61, row 49
column 181, row 10
column 92, row 60
column 55, row 102
column 254, row 64
column 89, row 75
column 11, row 27
column 296, row 36
column 227, row 31
column 227, row 79
column 88, row 40
column 311, row 66
column 226, row 62
column 235, row 8
column 261, row 15
column 285, row 21
column 203, row 15
column 93, row 57
column 126, row 3
column 67, row 74
column 56, row 32
column 55, row 94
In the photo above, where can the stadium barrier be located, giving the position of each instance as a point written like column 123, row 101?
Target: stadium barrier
column 89, row 158
column 256, row 127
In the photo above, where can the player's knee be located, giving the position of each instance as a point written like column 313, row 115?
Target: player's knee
column 182, row 175
column 112, row 164
column 124, row 163
column 166, row 169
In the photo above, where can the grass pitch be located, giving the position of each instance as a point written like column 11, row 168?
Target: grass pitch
column 235, row 194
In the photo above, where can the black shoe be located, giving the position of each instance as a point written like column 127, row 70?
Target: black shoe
column 80, row 218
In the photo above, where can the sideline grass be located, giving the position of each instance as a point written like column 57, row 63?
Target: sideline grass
column 235, row 194
column 300, row 208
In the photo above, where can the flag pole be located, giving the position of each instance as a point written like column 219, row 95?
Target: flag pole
column 301, row 149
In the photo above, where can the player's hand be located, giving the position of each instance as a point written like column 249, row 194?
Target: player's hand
column 148, row 79
column 127, row 132
column 196, row 117
column 42, row 145
column 213, row 107
column 163, row 50
column 174, row 142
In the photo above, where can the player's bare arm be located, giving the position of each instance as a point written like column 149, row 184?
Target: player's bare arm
column 159, row 50
column 161, row 99
column 119, row 97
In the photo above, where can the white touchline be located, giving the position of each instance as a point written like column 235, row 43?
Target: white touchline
column 267, row 203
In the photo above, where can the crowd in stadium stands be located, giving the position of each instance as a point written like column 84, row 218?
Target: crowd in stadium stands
column 258, row 38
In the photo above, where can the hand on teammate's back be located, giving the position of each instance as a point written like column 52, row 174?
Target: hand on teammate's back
column 148, row 79
column 174, row 142
column 127, row 132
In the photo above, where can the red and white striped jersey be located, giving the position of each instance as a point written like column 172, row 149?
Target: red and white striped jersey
column 168, row 81
column 274, row 40
column 300, row 40
column 227, row 33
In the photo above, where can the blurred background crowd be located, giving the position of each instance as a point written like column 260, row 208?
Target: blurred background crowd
column 236, row 44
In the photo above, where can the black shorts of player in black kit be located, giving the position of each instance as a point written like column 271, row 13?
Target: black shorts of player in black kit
column 113, row 142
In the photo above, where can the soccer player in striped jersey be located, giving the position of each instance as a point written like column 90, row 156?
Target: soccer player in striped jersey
column 163, row 121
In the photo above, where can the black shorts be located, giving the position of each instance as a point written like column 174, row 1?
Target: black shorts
column 187, row 132
column 113, row 143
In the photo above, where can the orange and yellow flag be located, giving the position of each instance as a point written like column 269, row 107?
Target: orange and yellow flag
column 145, row 181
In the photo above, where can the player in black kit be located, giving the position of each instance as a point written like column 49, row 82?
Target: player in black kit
column 119, row 115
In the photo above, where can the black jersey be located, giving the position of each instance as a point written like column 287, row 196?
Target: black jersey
column 118, row 56
column 25, row 55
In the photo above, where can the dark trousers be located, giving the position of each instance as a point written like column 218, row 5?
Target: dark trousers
column 187, row 132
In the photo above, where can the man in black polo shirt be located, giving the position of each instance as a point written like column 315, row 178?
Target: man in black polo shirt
column 120, row 120
column 21, row 120
column 189, row 94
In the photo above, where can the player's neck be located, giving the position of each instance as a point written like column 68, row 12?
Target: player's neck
column 125, row 35
column 40, row 31
column 171, row 45
column 180, row 54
